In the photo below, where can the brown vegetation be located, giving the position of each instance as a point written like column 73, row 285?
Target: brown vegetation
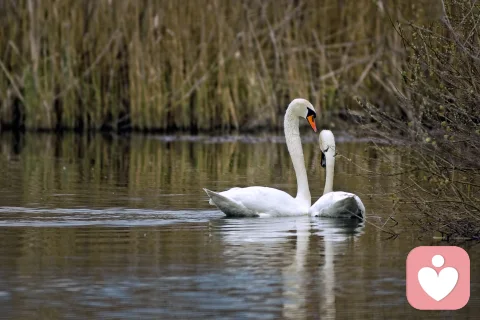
column 439, row 118
column 159, row 65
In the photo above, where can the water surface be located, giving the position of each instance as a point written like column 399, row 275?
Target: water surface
column 120, row 228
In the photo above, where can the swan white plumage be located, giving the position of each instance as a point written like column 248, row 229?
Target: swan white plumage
column 334, row 204
column 259, row 201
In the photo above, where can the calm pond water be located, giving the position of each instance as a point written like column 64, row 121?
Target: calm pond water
column 120, row 228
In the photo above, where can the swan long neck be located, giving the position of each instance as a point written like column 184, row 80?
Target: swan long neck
column 330, row 166
column 294, row 145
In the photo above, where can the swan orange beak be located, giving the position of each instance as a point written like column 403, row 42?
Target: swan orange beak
column 312, row 123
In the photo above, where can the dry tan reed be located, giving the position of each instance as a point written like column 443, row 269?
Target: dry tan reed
column 194, row 65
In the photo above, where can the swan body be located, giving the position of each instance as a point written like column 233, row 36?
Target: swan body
column 334, row 204
column 338, row 204
column 257, row 201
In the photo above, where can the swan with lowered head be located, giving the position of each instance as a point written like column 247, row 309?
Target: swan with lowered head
column 334, row 204
column 264, row 201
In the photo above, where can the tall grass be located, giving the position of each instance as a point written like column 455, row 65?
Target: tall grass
column 161, row 65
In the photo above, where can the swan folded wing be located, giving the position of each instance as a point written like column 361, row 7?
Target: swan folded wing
column 338, row 205
column 259, row 201
column 264, row 200
column 229, row 206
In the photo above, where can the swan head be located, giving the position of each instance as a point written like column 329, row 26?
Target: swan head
column 304, row 109
column 327, row 146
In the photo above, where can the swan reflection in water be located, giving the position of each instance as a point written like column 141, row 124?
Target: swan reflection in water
column 301, row 249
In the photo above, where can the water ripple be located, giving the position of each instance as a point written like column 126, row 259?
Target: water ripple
column 55, row 217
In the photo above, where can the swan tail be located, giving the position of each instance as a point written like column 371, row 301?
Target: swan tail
column 210, row 195
column 361, row 207
column 228, row 206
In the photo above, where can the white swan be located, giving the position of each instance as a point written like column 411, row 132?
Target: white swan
column 264, row 201
column 335, row 204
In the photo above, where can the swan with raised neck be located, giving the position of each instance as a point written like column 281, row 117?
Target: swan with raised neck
column 259, row 201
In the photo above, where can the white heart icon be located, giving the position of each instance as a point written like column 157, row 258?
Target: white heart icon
column 438, row 286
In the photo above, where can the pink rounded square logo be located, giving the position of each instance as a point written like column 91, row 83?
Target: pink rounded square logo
column 438, row 278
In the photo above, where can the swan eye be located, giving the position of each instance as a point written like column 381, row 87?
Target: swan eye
column 324, row 151
column 312, row 113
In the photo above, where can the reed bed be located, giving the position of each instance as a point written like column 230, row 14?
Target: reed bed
column 158, row 65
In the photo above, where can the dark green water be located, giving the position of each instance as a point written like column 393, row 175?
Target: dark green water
column 120, row 228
